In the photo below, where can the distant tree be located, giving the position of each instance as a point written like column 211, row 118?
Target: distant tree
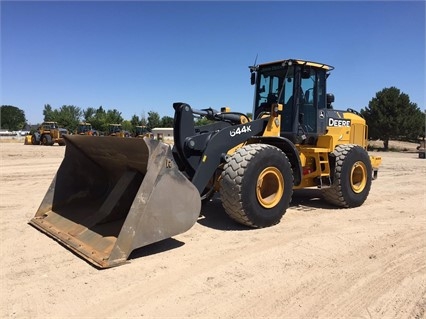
column 69, row 116
column 100, row 119
column 96, row 117
column 250, row 115
column 127, row 126
column 12, row 118
column 89, row 114
column 202, row 121
column 48, row 113
column 114, row 117
column 391, row 115
column 153, row 120
column 167, row 121
column 135, row 120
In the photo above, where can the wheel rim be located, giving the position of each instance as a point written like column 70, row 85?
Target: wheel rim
column 270, row 187
column 358, row 177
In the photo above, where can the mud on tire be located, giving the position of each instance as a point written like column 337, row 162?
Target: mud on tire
column 351, row 173
column 256, row 185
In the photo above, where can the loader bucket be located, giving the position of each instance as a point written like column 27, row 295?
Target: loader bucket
column 27, row 140
column 111, row 196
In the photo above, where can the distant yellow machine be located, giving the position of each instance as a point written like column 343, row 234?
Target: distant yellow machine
column 49, row 133
column 85, row 128
column 28, row 140
column 141, row 131
column 117, row 130
column 134, row 192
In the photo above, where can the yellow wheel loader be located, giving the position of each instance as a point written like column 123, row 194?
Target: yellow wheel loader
column 48, row 133
column 117, row 130
column 142, row 131
column 112, row 196
column 85, row 128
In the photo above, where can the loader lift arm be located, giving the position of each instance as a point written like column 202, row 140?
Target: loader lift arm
column 200, row 153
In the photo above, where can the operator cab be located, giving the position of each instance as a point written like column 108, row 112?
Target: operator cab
column 300, row 86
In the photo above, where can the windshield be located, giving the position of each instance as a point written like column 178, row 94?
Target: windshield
column 115, row 128
column 273, row 82
column 84, row 128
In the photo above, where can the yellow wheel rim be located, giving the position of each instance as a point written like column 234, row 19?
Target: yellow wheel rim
column 270, row 187
column 358, row 177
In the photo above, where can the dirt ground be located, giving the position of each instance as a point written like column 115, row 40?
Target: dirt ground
column 319, row 262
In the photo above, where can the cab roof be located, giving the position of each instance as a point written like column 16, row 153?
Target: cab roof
column 301, row 62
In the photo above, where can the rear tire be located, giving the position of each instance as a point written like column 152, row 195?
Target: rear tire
column 256, row 185
column 46, row 140
column 351, row 175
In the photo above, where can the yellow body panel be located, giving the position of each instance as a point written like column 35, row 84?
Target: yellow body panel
column 314, row 160
column 27, row 140
column 376, row 161
column 273, row 128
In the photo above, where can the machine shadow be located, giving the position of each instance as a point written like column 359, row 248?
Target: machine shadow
column 156, row 248
column 311, row 199
column 214, row 216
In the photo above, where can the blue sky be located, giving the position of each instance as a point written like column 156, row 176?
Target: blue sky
column 142, row 56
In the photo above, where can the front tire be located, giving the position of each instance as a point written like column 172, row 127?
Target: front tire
column 352, row 176
column 35, row 140
column 256, row 185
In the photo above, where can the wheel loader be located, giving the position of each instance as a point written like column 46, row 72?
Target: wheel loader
column 112, row 196
column 117, row 130
column 85, row 128
column 49, row 133
column 141, row 131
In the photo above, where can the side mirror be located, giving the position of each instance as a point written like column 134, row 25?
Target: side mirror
column 330, row 99
column 253, row 78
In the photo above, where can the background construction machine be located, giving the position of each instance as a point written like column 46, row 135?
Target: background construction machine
column 117, row 130
column 141, row 131
column 104, row 208
column 49, row 133
column 85, row 128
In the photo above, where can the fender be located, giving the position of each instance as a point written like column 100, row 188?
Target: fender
column 288, row 148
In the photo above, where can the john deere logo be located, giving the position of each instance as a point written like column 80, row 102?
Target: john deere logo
column 339, row 122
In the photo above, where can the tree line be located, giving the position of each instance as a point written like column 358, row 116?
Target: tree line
column 69, row 116
column 389, row 115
